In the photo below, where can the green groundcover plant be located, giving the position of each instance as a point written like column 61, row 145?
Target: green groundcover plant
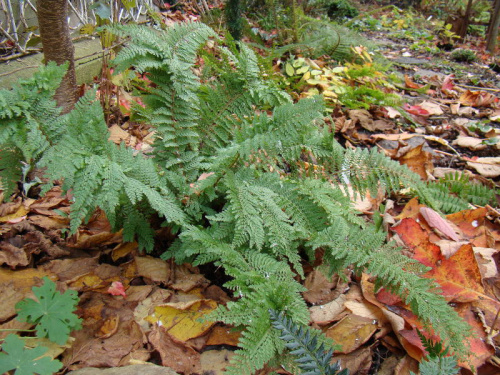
column 227, row 175
column 52, row 313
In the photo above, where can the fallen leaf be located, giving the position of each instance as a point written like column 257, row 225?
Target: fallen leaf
column 431, row 108
column 477, row 98
column 320, row 289
column 19, row 214
column 224, row 335
column 411, row 84
column 182, row 320
column 215, row 362
column 487, row 264
column 351, row 332
column 472, row 143
column 174, row 354
column 487, row 167
column 436, row 221
column 416, row 110
column 419, row 161
column 327, row 313
column 155, row 269
column 357, row 362
column 108, row 327
column 363, row 118
column 117, row 289
column 392, row 113
column 448, row 248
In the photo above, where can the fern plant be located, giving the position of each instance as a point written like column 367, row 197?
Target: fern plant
column 227, row 173
column 305, row 343
column 437, row 360
column 456, row 191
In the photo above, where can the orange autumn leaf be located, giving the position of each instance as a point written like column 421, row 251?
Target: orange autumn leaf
column 411, row 84
column 459, row 276
column 477, row 98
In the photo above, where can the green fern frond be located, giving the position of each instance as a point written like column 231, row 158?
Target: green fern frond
column 306, row 344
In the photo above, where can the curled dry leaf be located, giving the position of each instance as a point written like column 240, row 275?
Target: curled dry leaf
column 487, row 167
column 325, row 314
column 472, row 143
column 436, row 221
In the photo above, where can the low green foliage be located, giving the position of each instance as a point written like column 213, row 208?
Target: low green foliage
column 455, row 191
column 54, row 318
column 248, row 179
column 307, row 345
column 463, row 55
column 22, row 361
column 53, row 313
column 437, row 361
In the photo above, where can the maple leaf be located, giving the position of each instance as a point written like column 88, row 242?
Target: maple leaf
column 26, row 361
column 53, row 313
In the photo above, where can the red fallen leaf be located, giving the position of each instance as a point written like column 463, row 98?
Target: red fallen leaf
column 436, row 221
column 448, row 83
column 117, row 289
column 415, row 110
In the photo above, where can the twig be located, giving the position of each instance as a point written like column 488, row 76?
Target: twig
column 478, row 88
column 20, row 54
column 18, row 69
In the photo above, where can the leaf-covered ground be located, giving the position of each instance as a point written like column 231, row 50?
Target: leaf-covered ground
column 138, row 308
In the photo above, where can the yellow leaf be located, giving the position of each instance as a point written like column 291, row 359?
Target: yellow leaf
column 21, row 211
column 329, row 94
column 306, row 76
column 289, row 69
column 87, row 29
column 302, row 70
column 299, row 62
column 182, row 320
column 339, row 69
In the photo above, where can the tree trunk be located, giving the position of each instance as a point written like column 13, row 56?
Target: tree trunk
column 58, row 47
column 491, row 39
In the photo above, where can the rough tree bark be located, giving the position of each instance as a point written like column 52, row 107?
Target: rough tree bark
column 58, row 47
column 491, row 39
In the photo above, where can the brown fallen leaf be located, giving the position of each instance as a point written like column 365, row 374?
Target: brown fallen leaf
column 174, row 354
column 477, row 98
column 320, row 290
column 357, row 362
column 327, row 313
column 224, row 335
column 155, row 269
column 419, row 161
column 351, row 332
column 487, row 167
column 215, row 362
column 472, row 143
column 432, row 108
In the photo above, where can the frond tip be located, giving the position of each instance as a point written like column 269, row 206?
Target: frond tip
column 313, row 358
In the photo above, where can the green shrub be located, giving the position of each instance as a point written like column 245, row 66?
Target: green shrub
column 227, row 175
column 463, row 55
